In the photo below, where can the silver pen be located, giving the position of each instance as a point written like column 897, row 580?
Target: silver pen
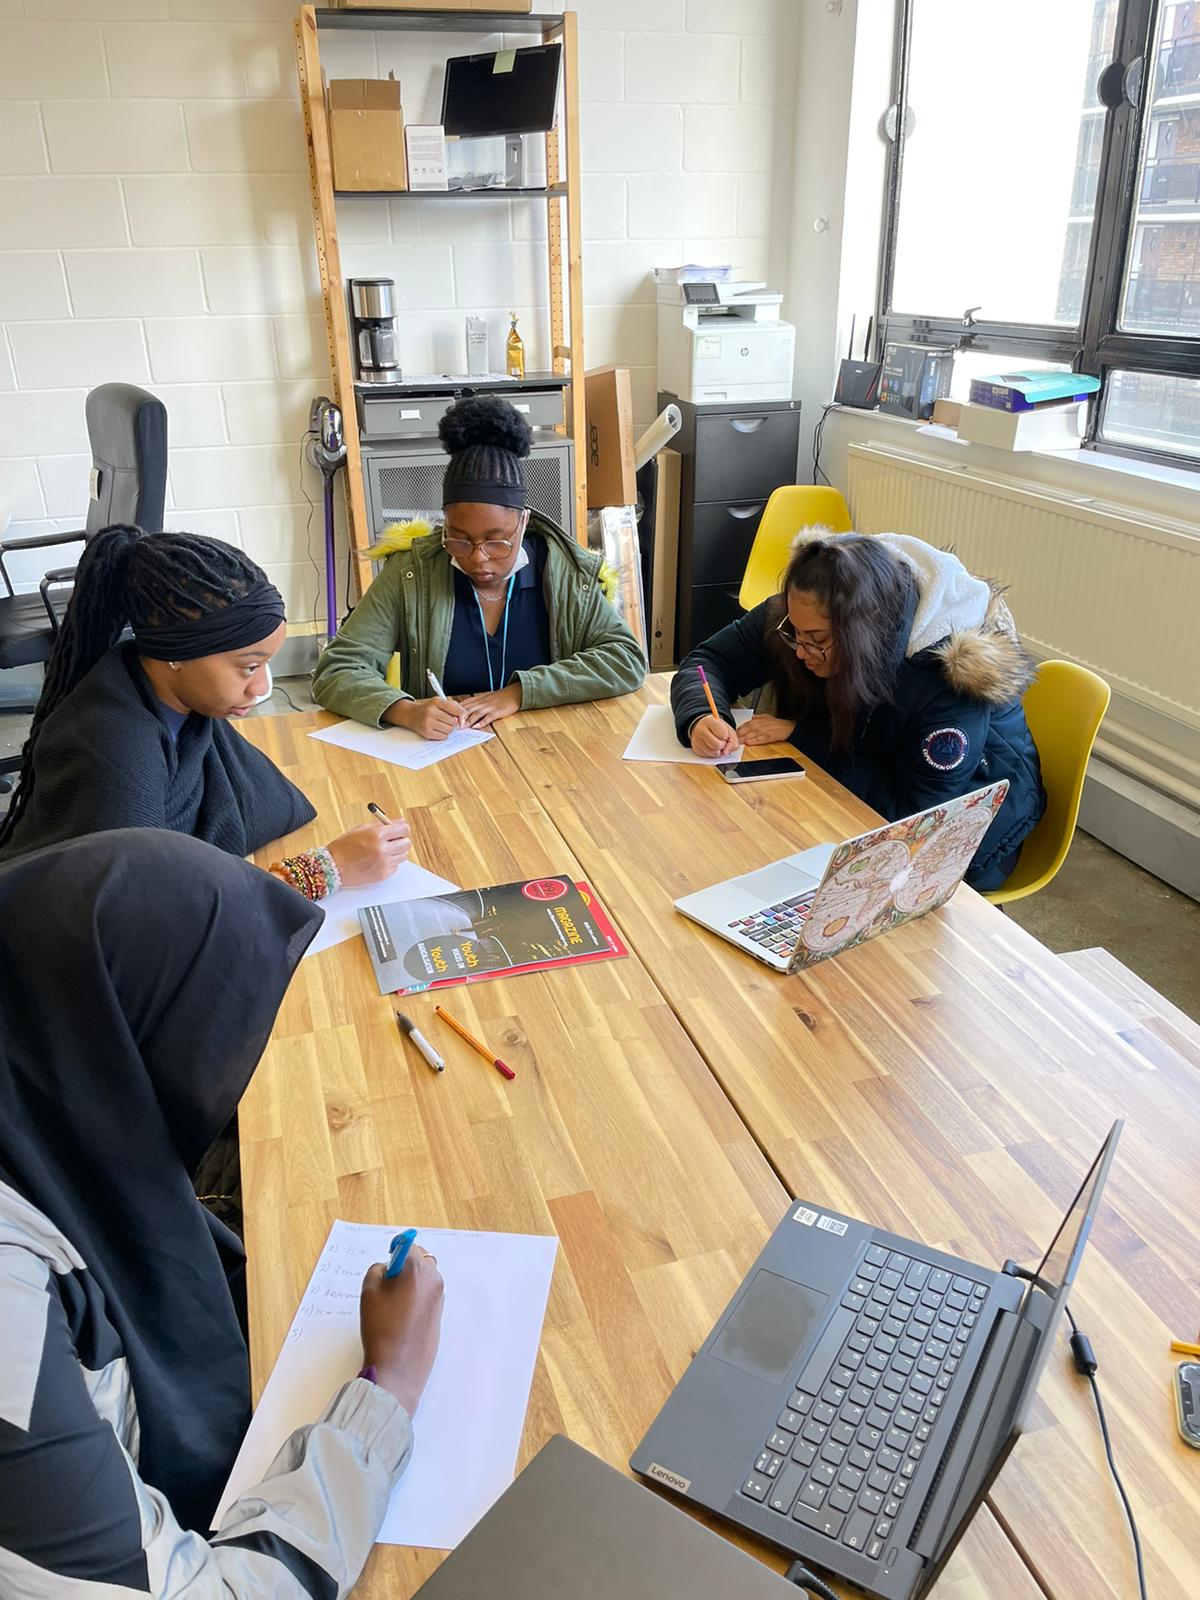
column 436, row 686
column 410, row 1030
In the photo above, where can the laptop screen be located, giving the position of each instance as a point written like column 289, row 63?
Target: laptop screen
column 1061, row 1261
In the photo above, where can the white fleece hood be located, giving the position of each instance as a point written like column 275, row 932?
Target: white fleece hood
column 964, row 616
column 949, row 598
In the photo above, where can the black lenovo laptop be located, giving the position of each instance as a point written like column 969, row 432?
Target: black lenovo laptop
column 860, row 1392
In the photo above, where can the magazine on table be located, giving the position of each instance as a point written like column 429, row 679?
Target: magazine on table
column 499, row 931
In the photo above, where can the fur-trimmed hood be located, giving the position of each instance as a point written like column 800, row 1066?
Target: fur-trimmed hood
column 962, row 620
column 987, row 663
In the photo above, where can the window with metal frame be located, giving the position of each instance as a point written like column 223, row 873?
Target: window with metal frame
column 1044, row 201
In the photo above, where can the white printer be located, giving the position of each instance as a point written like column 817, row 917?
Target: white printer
column 723, row 341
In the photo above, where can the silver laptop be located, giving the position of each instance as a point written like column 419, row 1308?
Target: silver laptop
column 822, row 901
column 570, row 1528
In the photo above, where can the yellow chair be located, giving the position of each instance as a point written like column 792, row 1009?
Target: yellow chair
column 795, row 506
column 1064, row 707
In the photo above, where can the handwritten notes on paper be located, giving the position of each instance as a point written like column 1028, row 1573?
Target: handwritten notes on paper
column 399, row 746
column 468, row 1427
column 655, row 739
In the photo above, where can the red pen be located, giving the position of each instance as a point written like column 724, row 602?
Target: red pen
column 476, row 1044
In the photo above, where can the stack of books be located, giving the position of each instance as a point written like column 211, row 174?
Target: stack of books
column 1028, row 410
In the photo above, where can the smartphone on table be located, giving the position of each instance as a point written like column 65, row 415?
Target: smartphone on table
column 755, row 771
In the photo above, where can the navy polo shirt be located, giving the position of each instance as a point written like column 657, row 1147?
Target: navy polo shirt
column 174, row 719
column 466, row 670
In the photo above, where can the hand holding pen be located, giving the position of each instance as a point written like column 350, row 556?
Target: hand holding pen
column 372, row 851
column 443, row 705
column 400, row 1315
column 711, row 735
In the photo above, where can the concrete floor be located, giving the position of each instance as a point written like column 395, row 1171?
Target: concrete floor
column 1098, row 899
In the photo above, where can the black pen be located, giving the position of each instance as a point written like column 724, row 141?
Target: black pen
column 410, row 1030
column 376, row 812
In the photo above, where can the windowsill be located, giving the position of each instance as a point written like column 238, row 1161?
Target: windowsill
column 1087, row 467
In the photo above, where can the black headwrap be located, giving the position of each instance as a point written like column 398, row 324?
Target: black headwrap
column 247, row 620
column 487, row 440
column 140, row 974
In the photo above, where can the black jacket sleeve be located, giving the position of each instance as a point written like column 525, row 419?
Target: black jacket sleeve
column 735, row 661
column 938, row 754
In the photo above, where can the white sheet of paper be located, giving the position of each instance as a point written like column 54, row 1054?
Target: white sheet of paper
column 468, row 1426
column 655, row 739
column 408, row 882
column 398, row 745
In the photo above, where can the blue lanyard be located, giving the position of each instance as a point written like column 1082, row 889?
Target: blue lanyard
column 487, row 638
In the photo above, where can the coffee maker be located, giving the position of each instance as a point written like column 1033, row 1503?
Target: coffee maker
column 373, row 305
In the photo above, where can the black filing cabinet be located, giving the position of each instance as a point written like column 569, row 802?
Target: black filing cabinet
column 734, row 455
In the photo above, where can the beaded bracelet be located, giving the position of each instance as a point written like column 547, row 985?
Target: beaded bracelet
column 333, row 878
column 314, row 873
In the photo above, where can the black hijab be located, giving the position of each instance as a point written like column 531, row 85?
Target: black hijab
column 140, row 975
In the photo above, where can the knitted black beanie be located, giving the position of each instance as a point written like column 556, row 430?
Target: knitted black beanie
column 486, row 439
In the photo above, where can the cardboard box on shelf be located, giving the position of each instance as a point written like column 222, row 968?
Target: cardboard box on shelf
column 608, row 401
column 1048, row 428
column 366, row 133
column 946, row 413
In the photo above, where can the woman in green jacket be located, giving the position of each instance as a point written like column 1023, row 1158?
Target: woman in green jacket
column 497, row 611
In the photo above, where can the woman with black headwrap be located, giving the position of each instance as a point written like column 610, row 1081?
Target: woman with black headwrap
column 136, row 734
column 126, row 1028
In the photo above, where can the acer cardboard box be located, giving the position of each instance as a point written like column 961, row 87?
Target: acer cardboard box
column 366, row 133
column 608, row 402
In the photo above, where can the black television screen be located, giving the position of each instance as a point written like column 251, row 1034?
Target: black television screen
column 478, row 100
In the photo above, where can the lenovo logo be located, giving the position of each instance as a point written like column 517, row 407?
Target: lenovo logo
column 671, row 1479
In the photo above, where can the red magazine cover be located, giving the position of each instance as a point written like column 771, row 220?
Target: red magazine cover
column 500, row 931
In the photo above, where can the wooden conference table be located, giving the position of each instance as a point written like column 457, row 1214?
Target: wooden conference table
column 950, row 1081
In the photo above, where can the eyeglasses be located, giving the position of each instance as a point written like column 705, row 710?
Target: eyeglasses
column 802, row 646
column 495, row 549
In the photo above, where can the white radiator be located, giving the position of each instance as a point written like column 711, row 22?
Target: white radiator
column 1089, row 582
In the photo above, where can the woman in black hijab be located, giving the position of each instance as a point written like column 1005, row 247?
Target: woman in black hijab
column 136, row 733
column 131, row 1020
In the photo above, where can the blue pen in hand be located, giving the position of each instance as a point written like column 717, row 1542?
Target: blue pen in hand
column 401, row 1245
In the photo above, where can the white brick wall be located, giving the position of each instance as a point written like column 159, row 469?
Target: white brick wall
column 156, row 228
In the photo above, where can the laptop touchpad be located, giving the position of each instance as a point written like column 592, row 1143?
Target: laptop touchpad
column 768, row 1329
column 780, row 881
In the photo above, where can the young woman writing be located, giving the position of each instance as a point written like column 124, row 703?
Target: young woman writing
column 499, row 606
column 891, row 666
column 140, row 974
column 136, row 734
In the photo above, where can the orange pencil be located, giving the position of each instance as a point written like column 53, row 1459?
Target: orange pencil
column 712, row 704
column 476, row 1044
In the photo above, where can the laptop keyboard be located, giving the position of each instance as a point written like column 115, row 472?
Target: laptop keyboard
column 840, row 1462
column 776, row 928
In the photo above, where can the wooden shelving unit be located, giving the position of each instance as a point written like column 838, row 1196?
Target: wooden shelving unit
column 561, row 194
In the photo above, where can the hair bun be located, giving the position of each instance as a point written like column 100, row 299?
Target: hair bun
column 484, row 419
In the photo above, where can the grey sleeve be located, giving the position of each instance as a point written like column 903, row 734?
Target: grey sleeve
column 319, row 1509
column 74, row 1514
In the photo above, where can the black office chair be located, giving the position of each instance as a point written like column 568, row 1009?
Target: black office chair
column 127, row 428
